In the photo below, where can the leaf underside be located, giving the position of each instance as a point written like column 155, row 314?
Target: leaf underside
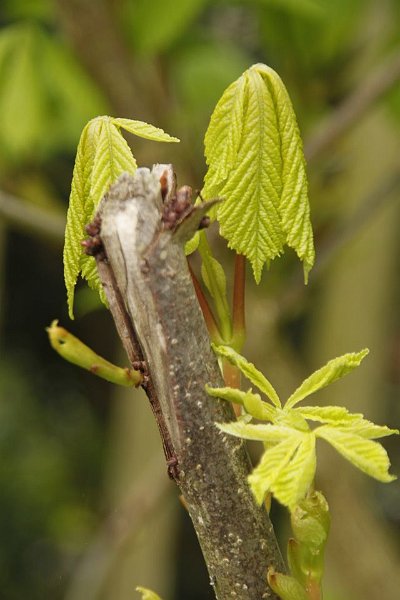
column 255, row 157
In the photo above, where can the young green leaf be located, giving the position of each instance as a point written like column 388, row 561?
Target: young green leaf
column 296, row 477
column 366, row 429
column 144, row 130
column 265, row 477
column 249, row 371
column 255, row 157
column 333, row 370
column 223, row 136
column 368, row 456
column 147, row 594
column 102, row 156
column 215, row 280
column 80, row 207
column 271, row 434
column 335, row 415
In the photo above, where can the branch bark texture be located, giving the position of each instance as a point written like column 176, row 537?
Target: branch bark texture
column 151, row 276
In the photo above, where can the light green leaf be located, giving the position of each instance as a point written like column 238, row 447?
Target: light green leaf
column 223, row 136
column 102, row 156
column 297, row 476
column 333, row 370
column 259, row 409
column 144, row 130
column 271, row 434
column 253, row 404
column 249, row 371
column 368, row 456
column 327, row 414
column 192, row 245
column 366, row 429
column 292, row 419
column 227, row 393
column 147, row 594
column 80, row 207
column 263, row 478
column 214, row 277
column 113, row 157
column 255, row 157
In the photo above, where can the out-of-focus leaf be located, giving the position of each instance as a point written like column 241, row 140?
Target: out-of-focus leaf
column 24, row 9
column 64, row 82
column 154, row 26
column 307, row 8
column 23, row 105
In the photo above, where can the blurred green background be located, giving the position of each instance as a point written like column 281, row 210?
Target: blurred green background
column 86, row 509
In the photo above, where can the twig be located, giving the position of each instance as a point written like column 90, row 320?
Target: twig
column 33, row 219
column 92, row 29
column 372, row 89
column 381, row 196
column 122, row 525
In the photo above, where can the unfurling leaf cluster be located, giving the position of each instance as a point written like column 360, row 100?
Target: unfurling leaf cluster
column 102, row 156
column 256, row 163
column 287, row 466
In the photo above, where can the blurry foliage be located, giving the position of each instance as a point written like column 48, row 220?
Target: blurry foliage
column 50, row 450
column 51, row 442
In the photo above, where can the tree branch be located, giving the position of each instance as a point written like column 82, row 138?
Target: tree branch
column 372, row 89
column 31, row 218
column 152, row 277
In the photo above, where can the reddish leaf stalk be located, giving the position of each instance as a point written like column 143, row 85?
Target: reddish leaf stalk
column 206, row 309
column 239, row 324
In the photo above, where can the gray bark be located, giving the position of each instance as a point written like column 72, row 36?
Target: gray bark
column 146, row 270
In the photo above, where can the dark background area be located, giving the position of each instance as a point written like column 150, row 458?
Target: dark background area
column 86, row 509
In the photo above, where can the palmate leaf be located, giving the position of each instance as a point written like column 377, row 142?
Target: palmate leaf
column 367, row 455
column 333, row 370
column 102, row 156
column 288, row 464
column 255, row 157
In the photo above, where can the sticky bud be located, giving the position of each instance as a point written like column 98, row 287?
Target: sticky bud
column 76, row 352
column 310, row 525
column 285, row 586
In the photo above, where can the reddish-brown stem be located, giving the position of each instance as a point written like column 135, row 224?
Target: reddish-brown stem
column 239, row 324
column 206, row 310
column 314, row 590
